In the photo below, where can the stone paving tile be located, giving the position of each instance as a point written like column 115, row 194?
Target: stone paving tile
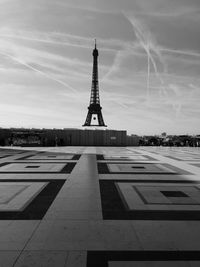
column 73, row 215
column 73, row 223
column 84, row 235
column 168, row 235
column 33, row 176
column 76, row 204
column 66, row 235
column 76, row 259
column 15, row 234
column 42, row 259
column 8, row 258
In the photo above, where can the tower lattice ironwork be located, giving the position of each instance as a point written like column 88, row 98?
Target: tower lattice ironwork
column 94, row 107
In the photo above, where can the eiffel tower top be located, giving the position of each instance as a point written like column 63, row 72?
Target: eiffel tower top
column 95, row 51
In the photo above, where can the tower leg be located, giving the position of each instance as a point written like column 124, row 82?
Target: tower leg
column 100, row 119
column 88, row 119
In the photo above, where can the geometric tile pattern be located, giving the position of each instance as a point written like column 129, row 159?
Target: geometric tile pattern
column 138, row 168
column 15, row 196
column 48, row 157
column 146, row 212
column 170, row 196
column 27, row 200
column 53, row 156
column 36, row 167
column 125, row 158
column 149, row 201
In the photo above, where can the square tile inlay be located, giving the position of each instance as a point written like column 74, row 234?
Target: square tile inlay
column 130, row 157
column 36, row 167
column 27, row 199
column 46, row 156
column 130, row 200
column 138, row 168
column 16, row 196
column 150, row 197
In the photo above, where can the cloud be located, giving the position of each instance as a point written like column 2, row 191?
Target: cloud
column 148, row 63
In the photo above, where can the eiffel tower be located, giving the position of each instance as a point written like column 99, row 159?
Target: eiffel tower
column 94, row 109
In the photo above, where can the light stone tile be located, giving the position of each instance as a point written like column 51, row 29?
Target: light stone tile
column 42, row 259
column 64, row 235
column 145, row 177
column 79, row 192
column 116, row 235
column 71, row 184
column 76, row 204
column 154, row 235
column 8, row 258
column 84, row 235
column 43, row 161
column 22, row 167
column 187, row 235
column 73, row 215
column 76, row 259
column 126, row 157
column 139, row 168
column 34, row 176
column 51, row 156
column 168, row 235
column 16, row 196
column 15, row 234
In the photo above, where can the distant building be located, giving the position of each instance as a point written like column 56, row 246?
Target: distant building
column 62, row 137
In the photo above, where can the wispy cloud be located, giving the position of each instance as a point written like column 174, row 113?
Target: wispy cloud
column 40, row 72
column 147, row 75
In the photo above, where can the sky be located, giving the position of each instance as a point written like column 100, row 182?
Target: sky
column 149, row 63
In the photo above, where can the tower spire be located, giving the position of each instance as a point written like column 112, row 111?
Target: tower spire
column 94, row 109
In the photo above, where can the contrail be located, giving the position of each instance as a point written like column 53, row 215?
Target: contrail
column 148, row 75
column 86, row 43
column 141, row 36
column 114, row 66
column 176, row 102
column 113, row 100
column 180, row 52
column 43, row 40
column 54, row 79
column 41, row 72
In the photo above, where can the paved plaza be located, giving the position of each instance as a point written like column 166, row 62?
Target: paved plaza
column 100, row 207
